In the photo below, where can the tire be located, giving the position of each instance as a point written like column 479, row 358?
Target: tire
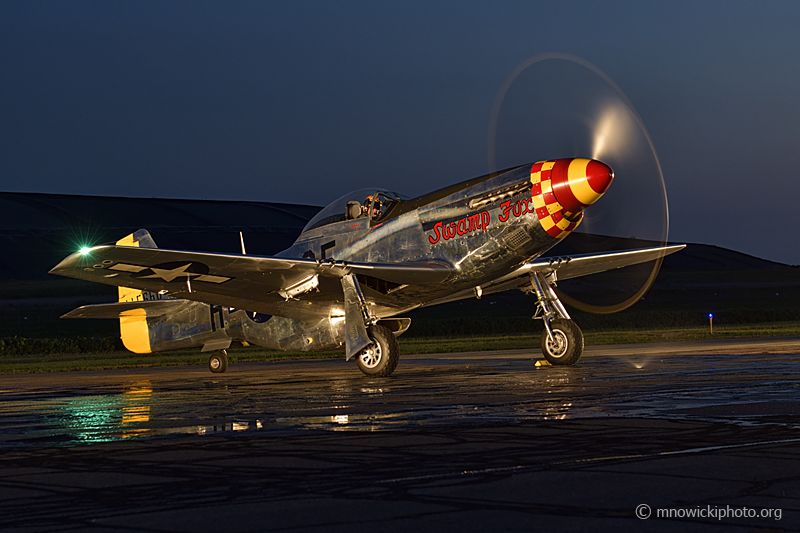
column 380, row 359
column 568, row 346
column 218, row 362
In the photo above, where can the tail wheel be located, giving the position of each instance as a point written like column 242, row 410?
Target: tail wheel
column 218, row 362
column 381, row 358
column 566, row 347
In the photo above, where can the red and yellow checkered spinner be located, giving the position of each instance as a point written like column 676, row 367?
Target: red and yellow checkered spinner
column 563, row 188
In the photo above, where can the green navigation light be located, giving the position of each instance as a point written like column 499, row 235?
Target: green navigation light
column 85, row 250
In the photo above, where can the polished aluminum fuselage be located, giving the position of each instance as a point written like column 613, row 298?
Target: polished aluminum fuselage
column 480, row 229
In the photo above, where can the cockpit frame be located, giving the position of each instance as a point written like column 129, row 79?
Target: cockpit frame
column 374, row 203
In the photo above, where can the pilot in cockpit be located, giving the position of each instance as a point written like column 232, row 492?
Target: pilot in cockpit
column 375, row 213
column 376, row 209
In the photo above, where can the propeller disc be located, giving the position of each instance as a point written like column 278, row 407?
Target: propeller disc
column 558, row 106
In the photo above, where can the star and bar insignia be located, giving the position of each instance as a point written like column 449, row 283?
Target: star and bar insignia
column 170, row 272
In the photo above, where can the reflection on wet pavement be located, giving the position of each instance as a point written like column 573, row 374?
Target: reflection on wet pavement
column 456, row 390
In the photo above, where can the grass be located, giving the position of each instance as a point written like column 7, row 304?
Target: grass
column 775, row 329
column 58, row 362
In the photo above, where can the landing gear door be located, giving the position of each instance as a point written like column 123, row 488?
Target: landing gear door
column 356, row 336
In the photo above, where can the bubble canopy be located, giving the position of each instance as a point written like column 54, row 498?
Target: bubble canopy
column 337, row 210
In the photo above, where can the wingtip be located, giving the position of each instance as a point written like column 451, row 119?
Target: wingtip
column 66, row 266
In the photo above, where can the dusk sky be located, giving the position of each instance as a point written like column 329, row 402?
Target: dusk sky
column 304, row 101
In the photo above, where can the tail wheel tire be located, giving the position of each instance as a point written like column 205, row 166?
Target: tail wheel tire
column 381, row 357
column 218, row 362
column 566, row 347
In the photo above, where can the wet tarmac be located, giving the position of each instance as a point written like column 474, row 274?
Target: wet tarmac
column 473, row 441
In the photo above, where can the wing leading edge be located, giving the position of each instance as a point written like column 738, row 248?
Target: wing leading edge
column 585, row 264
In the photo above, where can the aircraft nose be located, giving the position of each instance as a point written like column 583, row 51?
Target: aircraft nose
column 578, row 183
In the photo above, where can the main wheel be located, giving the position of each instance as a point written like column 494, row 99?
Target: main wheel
column 381, row 358
column 218, row 362
column 567, row 344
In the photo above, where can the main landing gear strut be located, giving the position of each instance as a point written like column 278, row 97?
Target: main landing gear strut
column 374, row 346
column 562, row 339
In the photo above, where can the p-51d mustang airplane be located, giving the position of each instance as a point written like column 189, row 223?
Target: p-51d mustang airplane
column 358, row 264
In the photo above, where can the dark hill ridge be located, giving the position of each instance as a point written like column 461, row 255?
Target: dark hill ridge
column 695, row 257
column 710, row 257
column 41, row 229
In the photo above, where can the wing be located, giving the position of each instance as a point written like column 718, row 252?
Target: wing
column 585, row 264
column 254, row 283
column 568, row 267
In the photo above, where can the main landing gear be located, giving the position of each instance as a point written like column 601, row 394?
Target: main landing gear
column 380, row 358
column 374, row 346
column 562, row 339
column 218, row 362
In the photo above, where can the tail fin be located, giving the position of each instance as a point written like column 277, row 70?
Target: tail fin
column 133, row 325
column 142, row 239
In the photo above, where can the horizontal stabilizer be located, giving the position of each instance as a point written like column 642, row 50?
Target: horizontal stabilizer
column 148, row 309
